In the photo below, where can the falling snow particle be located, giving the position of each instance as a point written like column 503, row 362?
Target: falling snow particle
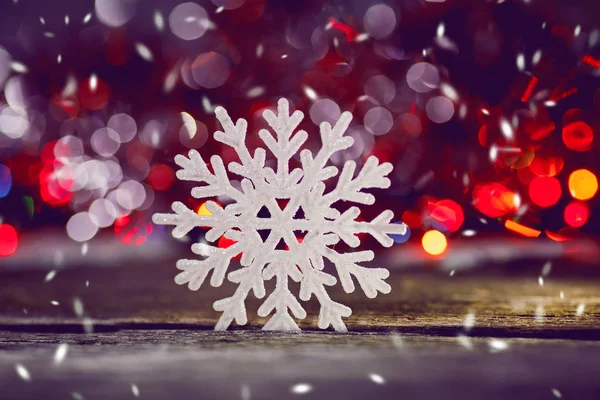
column 66, row 20
column 255, row 92
column 556, row 393
column 42, row 20
column 441, row 30
column 452, row 272
column 541, row 281
column 539, row 314
column 245, row 393
column 397, row 340
column 506, row 129
column 87, row 18
column 93, row 82
column 59, row 58
column 537, row 56
column 61, row 353
column 577, row 30
column 361, row 38
column 87, row 284
column 49, row 34
column 59, row 258
column 143, row 51
column 18, row 67
column 78, row 307
column 469, row 232
column 50, row 275
column 465, row 341
column 580, row 310
column 310, row 93
column 469, row 321
column 84, row 249
column 54, row 303
column 23, row 373
column 547, row 268
column 562, row 295
column 497, row 345
column 135, row 390
column 77, row 396
column 88, row 325
column 159, row 21
column 378, row 379
column 521, row 62
column 219, row 10
column 259, row 50
column 301, row 388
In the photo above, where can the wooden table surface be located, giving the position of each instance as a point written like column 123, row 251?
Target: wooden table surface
column 143, row 330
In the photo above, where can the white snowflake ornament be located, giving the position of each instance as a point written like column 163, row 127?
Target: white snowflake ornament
column 261, row 186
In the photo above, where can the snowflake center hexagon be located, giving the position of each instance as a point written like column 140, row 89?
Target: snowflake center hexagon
column 261, row 187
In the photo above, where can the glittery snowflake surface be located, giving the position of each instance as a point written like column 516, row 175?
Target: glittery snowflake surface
column 322, row 225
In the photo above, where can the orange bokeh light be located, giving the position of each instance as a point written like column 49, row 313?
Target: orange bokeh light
column 434, row 242
column 544, row 191
column 583, row 184
column 576, row 214
column 521, row 229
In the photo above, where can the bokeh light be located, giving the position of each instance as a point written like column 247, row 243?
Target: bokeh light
column 494, row 199
column 583, row 184
column 447, row 215
column 5, row 180
column 439, row 109
column 577, row 136
column 8, row 240
column 576, row 214
column 188, row 21
column 210, row 70
column 81, row 227
column 545, row 191
column 434, row 242
column 379, row 21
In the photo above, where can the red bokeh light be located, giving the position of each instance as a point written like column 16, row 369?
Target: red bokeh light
column 161, row 177
column 8, row 240
column 546, row 166
column 412, row 219
column 544, row 191
column 576, row 214
column 132, row 230
column 494, row 199
column 225, row 243
column 448, row 213
column 577, row 136
column 93, row 95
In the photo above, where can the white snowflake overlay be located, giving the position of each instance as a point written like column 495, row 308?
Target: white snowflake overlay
column 261, row 186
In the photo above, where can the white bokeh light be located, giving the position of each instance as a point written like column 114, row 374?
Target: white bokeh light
column 379, row 21
column 439, row 109
column 81, row 228
column 188, row 21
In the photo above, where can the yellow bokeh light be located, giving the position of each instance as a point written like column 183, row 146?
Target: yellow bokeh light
column 583, row 184
column 434, row 242
column 203, row 211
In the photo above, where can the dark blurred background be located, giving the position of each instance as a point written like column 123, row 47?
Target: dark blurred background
column 488, row 111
